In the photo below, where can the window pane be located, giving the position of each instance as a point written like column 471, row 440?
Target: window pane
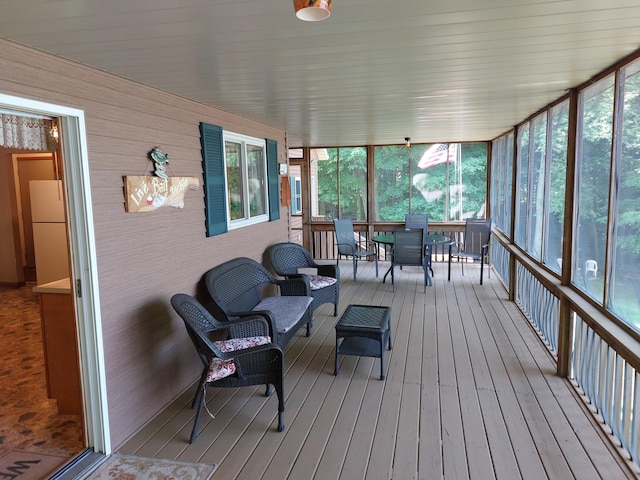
column 234, row 180
column 508, row 183
column 256, row 175
column 536, row 195
column 391, row 183
column 328, row 185
column 448, row 181
column 352, row 165
column 502, row 158
column 593, row 165
column 497, row 182
column 298, row 196
column 523, row 185
column 625, row 281
column 468, row 182
column 554, row 216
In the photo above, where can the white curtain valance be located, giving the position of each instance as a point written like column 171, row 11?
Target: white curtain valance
column 26, row 132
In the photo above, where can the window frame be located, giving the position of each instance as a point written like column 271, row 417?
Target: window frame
column 244, row 141
column 215, row 183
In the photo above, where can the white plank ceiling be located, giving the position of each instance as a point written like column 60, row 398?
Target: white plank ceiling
column 374, row 72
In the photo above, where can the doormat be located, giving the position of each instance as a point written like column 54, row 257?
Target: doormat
column 129, row 467
column 23, row 465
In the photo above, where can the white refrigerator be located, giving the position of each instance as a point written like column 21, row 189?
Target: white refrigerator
column 49, row 230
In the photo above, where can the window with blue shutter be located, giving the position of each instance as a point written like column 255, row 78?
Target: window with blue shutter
column 241, row 179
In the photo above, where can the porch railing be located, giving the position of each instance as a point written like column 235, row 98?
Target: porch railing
column 323, row 238
column 608, row 382
column 594, row 351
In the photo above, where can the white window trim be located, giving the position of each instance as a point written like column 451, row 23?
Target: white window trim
column 246, row 140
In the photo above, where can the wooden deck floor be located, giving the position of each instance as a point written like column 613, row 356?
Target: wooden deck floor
column 470, row 392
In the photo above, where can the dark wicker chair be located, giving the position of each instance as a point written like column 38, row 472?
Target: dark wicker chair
column 475, row 244
column 408, row 250
column 346, row 244
column 257, row 365
column 237, row 288
column 286, row 258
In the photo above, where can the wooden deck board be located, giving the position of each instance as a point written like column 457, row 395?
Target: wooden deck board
column 470, row 392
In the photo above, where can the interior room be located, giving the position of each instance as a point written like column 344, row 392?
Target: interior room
column 34, row 416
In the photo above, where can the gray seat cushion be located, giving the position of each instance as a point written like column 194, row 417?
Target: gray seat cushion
column 287, row 310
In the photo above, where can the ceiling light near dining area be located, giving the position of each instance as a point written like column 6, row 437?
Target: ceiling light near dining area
column 312, row 10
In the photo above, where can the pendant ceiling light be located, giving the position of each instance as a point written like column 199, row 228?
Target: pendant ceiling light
column 312, row 10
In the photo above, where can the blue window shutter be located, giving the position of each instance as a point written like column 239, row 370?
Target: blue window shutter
column 272, row 178
column 215, row 197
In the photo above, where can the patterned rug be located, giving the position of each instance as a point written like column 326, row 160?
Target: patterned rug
column 128, row 467
column 22, row 465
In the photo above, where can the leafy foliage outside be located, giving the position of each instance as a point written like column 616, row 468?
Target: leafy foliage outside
column 607, row 192
column 444, row 191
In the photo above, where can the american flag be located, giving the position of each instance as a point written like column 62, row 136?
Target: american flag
column 437, row 154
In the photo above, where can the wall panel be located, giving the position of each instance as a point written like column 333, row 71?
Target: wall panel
column 143, row 258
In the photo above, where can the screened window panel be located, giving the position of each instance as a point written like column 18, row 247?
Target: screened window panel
column 537, row 186
column 353, row 183
column 391, row 182
column 523, row 185
column 554, row 211
column 624, row 298
column 328, row 185
column 593, row 180
column 446, row 181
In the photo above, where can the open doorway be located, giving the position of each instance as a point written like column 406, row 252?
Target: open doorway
column 82, row 283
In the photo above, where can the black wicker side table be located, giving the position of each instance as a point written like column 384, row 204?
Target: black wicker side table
column 364, row 330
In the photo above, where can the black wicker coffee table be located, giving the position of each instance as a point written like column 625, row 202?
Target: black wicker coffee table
column 364, row 330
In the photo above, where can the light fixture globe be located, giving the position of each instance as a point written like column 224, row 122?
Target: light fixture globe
column 312, row 10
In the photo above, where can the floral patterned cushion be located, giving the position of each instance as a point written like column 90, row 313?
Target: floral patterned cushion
column 219, row 368
column 316, row 282
column 234, row 344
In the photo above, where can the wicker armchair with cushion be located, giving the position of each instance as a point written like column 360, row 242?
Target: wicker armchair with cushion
column 237, row 288
column 234, row 362
column 291, row 260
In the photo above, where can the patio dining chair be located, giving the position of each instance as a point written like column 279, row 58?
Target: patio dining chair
column 347, row 247
column 233, row 362
column 475, row 244
column 408, row 250
column 291, row 260
column 419, row 220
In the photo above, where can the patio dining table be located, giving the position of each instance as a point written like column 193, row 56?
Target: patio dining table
column 433, row 239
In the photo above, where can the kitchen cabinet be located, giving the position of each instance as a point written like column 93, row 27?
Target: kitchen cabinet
column 60, row 343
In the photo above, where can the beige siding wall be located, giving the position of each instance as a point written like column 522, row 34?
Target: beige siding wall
column 143, row 258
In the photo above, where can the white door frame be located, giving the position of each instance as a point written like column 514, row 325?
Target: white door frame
column 83, row 263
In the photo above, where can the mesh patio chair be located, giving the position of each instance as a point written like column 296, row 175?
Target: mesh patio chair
column 238, row 289
column 420, row 220
column 475, row 245
column 288, row 258
column 408, row 250
column 234, row 362
column 417, row 220
column 346, row 243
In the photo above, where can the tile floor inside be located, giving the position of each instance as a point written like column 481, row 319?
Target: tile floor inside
column 28, row 419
